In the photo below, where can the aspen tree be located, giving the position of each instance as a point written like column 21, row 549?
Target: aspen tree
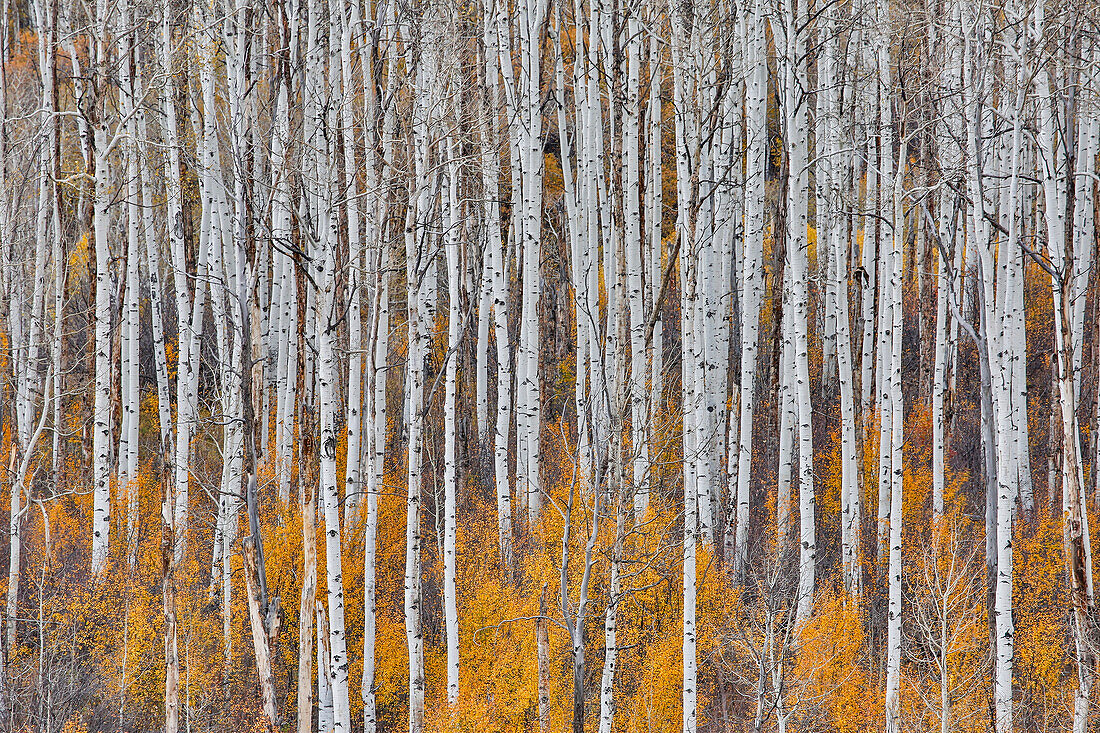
column 729, row 235
column 796, row 140
column 233, row 299
column 655, row 278
column 635, row 245
column 452, row 245
column 48, row 13
column 575, row 614
column 1009, row 467
column 279, row 168
column 215, row 217
column 419, row 254
column 950, row 154
column 156, row 296
column 978, row 238
column 890, row 451
column 1087, row 129
column 896, row 471
column 162, row 40
column 325, row 89
column 190, row 306
column 45, row 230
column 683, row 29
column 1084, row 213
column 325, row 712
column 620, row 395
column 345, row 21
column 1057, row 176
column 531, row 18
column 223, row 273
column 495, row 266
column 261, row 626
column 832, row 231
column 18, row 488
column 23, row 264
column 611, row 616
column 374, row 480
column 101, row 46
column 580, row 211
column 305, row 610
column 751, row 281
column 543, row 654
column 287, row 62
column 484, row 318
column 378, row 144
column 870, row 226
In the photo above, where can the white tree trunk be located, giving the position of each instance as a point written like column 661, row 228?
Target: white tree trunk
column 346, row 20
column 129, row 351
column 101, row 416
column 305, row 609
column 686, row 137
column 890, row 316
column 498, row 284
column 654, row 275
column 751, row 280
column 635, row 246
column 833, row 167
column 326, row 719
column 418, row 276
column 324, row 300
column 531, row 15
column 453, row 246
column 796, row 138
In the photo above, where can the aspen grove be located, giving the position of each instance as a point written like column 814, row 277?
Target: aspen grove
column 549, row 365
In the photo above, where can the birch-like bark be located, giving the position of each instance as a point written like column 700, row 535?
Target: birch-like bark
column 327, row 241
column 419, row 257
column 796, row 138
column 531, row 18
column 610, row 626
column 751, row 279
column 129, row 351
column 894, row 443
column 948, row 135
column 26, row 329
column 575, row 614
column 376, row 468
column 325, row 714
column 890, row 316
column 189, row 306
column 635, row 246
column 868, row 262
column 654, row 265
column 171, row 619
column 284, row 304
column 452, row 245
column 346, row 20
column 833, row 167
column 156, row 299
column 305, row 609
column 498, row 284
column 1057, row 177
column 379, row 137
column 101, row 416
column 1009, row 465
column 686, row 144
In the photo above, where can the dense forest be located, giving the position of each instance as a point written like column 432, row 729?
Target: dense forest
column 549, row 365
